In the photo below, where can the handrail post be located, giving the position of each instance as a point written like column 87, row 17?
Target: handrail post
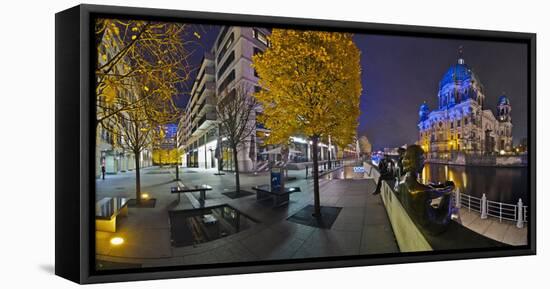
column 484, row 206
column 457, row 199
column 519, row 224
column 500, row 212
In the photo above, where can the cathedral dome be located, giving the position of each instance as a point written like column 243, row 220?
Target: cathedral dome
column 458, row 73
column 503, row 100
column 458, row 84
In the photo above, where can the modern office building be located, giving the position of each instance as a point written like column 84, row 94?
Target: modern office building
column 226, row 67
column 462, row 123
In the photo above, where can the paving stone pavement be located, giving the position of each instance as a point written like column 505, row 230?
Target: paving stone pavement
column 362, row 226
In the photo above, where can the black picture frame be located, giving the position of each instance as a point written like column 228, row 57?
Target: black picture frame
column 75, row 140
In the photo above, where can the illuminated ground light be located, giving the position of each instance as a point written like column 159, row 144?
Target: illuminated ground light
column 115, row 241
column 144, row 196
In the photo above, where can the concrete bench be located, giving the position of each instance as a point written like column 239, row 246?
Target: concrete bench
column 190, row 189
column 264, row 192
column 106, row 212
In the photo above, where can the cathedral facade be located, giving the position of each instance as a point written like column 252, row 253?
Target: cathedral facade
column 461, row 122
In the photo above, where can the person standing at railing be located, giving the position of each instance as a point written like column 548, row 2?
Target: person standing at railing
column 399, row 165
column 385, row 166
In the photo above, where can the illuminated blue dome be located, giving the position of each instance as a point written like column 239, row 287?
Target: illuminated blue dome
column 503, row 100
column 458, row 84
column 457, row 73
column 423, row 112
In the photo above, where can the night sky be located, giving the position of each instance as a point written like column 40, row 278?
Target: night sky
column 399, row 73
column 198, row 47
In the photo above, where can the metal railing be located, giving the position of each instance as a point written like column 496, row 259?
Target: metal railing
column 501, row 211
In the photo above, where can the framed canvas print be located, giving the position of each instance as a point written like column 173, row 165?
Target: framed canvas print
column 192, row 144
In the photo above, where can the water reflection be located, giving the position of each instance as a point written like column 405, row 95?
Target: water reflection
column 499, row 184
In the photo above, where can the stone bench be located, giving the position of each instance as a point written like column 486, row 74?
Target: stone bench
column 264, row 192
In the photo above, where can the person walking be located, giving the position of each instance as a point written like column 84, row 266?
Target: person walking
column 103, row 171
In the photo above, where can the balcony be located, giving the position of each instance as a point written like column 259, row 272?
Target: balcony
column 204, row 122
column 206, row 91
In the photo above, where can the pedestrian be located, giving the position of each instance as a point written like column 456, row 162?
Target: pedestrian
column 385, row 167
column 103, row 171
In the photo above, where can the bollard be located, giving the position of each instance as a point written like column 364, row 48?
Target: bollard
column 519, row 224
column 484, row 207
column 457, row 199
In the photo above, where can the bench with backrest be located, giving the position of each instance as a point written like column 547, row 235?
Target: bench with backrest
column 107, row 210
column 265, row 192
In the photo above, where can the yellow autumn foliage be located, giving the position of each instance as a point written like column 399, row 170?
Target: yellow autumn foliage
column 311, row 84
column 166, row 157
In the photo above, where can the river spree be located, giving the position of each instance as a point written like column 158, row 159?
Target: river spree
column 500, row 184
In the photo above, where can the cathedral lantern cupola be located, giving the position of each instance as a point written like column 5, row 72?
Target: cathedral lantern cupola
column 504, row 109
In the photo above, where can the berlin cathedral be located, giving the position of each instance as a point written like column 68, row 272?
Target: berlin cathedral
column 462, row 123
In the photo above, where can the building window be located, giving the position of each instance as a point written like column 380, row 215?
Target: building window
column 466, row 121
column 452, row 124
column 228, row 79
column 222, row 35
column 225, row 47
column 458, row 123
column 226, row 64
column 261, row 37
column 458, row 137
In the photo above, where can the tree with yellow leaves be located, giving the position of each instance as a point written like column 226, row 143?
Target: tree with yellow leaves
column 311, row 84
column 141, row 67
column 365, row 145
column 166, row 156
column 132, row 51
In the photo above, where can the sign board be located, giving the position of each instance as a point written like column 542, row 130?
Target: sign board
column 276, row 178
column 359, row 170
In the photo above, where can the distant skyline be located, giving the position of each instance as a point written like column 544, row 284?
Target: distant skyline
column 399, row 73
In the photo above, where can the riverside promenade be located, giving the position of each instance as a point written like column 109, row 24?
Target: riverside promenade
column 362, row 226
column 503, row 231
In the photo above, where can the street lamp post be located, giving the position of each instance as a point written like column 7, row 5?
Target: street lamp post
column 177, row 156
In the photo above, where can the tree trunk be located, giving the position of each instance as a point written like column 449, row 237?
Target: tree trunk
column 138, row 179
column 237, row 180
column 317, row 213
